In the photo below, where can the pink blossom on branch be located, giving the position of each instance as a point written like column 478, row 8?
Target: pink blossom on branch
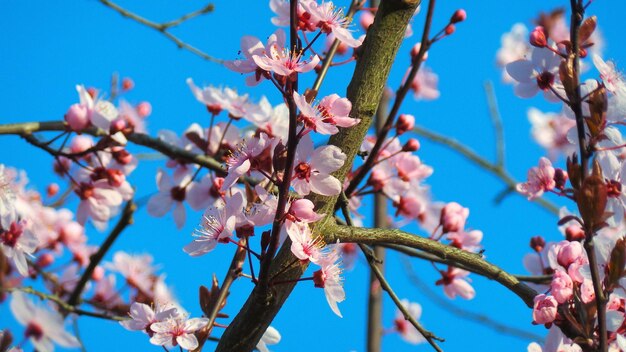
column 312, row 169
column 324, row 118
column 540, row 179
column 331, row 20
column 407, row 331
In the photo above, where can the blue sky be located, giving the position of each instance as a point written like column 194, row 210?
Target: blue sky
column 48, row 47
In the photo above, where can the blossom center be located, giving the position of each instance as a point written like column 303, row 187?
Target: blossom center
column 545, row 80
column 613, row 188
column 33, row 330
column 303, row 171
column 178, row 193
column 9, row 238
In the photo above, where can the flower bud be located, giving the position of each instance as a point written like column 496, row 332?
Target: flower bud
column 412, row 145
column 377, row 179
column 574, row 233
column 453, row 217
column 450, row 29
column 538, row 37
column 52, row 189
column 45, row 260
column 117, row 125
column 416, row 49
column 405, row 123
column 77, row 117
column 562, row 286
column 544, row 310
column 537, row 243
column 127, row 84
column 98, row 273
column 80, row 143
column 569, row 252
column 144, row 109
column 560, row 178
column 459, row 16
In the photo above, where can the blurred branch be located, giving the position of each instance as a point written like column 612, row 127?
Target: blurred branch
column 430, row 337
column 481, row 319
column 63, row 305
column 164, row 27
column 95, row 259
column 495, row 169
column 496, row 121
column 471, row 261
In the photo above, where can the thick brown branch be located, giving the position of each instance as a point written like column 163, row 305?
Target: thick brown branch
column 472, row 261
column 365, row 89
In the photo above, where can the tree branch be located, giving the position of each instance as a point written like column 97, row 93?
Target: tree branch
column 145, row 140
column 472, row 261
column 163, row 27
column 481, row 162
column 365, row 89
column 95, row 259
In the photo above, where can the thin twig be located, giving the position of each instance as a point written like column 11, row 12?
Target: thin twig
column 400, row 95
column 481, row 319
column 472, row 156
column 384, row 284
column 163, row 27
column 95, row 259
column 62, row 304
column 496, row 121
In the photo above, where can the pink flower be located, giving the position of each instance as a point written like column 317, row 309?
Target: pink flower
column 407, row 331
column 206, row 192
column 98, row 201
column 218, row 225
column 101, row 113
column 469, row 241
column 331, row 20
column 142, row 316
column 329, row 278
column 562, row 286
column 282, row 62
column 540, row 179
column 303, row 245
column 587, row 292
column 136, row 269
column 544, row 310
column 249, row 46
column 550, row 131
column 424, row 85
column 43, row 327
column 538, row 73
column 568, row 252
column 555, row 342
column 172, row 193
column 455, row 283
column 612, row 78
column 77, row 117
column 17, row 241
column 453, row 217
column 514, row 46
column 281, row 9
column 301, row 210
column 244, row 158
column 313, row 168
column 324, row 118
column 177, row 330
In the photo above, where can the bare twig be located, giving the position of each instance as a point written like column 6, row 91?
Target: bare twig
column 384, row 284
column 496, row 121
column 96, row 258
column 63, row 305
column 481, row 319
column 163, row 27
column 472, row 156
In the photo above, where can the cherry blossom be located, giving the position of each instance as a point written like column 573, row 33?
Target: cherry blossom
column 271, row 336
column 303, row 245
column 540, row 179
column 281, row 9
column 136, row 269
column 249, row 46
column 562, row 286
column 514, row 46
column 44, row 327
column 544, row 310
column 538, row 73
column 332, row 111
column 218, row 225
column 17, row 241
column 329, row 278
column 611, row 78
column 424, row 85
column 407, row 331
column 101, row 113
column 331, row 20
column 7, row 196
column 453, row 217
column 313, row 168
column 455, row 283
column 282, row 62
column 172, row 193
column 555, row 342
column 142, row 316
column 98, row 201
column 244, row 158
column 177, row 330
column 550, row 131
